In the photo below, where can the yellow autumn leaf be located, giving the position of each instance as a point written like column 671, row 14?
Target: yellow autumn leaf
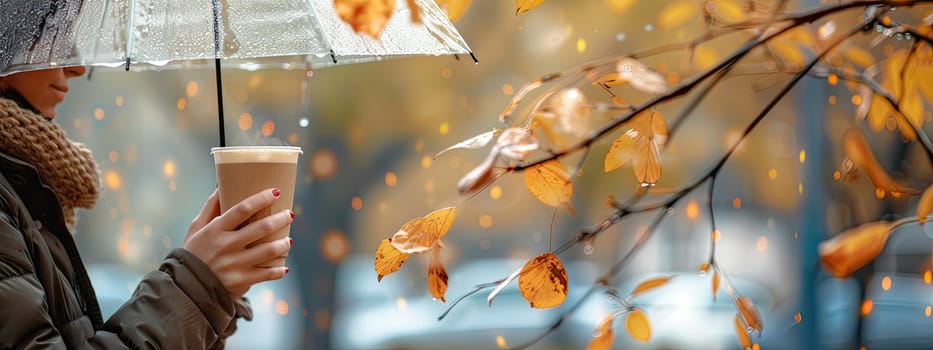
column 437, row 276
column 857, row 149
column 647, row 164
column 649, row 285
column 543, row 281
column 716, row 281
column 728, row 11
column 422, row 234
column 640, row 76
column 924, row 76
column 480, row 177
column 676, row 13
column 603, row 336
column 749, row 314
column 912, row 108
column 637, row 326
column 453, row 8
column 858, row 56
column 925, row 206
column 619, row 6
column 365, row 16
column 549, row 182
column 742, row 333
column 525, row 5
column 853, row 248
column 388, row 259
column 623, row 150
column 878, row 113
column 640, row 145
column 439, row 221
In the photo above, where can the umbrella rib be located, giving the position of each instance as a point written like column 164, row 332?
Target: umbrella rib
column 316, row 26
column 131, row 18
column 215, row 4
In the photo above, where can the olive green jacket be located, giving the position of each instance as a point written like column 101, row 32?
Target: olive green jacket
column 46, row 297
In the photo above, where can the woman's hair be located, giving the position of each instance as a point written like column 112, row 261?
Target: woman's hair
column 15, row 96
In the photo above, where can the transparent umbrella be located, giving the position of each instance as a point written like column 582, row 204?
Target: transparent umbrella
column 247, row 34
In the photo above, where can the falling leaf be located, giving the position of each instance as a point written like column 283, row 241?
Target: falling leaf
column 525, row 5
column 619, row 6
column 543, row 281
column 858, row 56
column 365, row 16
column 716, row 281
column 853, row 248
column 478, row 141
column 421, row 234
column 549, row 182
column 516, row 143
column 602, row 337
column 640, row 145
column 649, row 285
column 415, row 11
column 637, row 326
column 925, row 206
column 453, row 8
column 742, row 333
column 676, row 13
column 478, row 178
column 563, row 115
column 437, row 276
column 388, row 259
column 728, row 11
column 640, row 76
column 749, row 314
column 857, row 149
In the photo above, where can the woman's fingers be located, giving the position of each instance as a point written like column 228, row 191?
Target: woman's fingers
column 240, row 212
column 257, row 274
column 264, row 252
column 210, row 210
column 258, row 229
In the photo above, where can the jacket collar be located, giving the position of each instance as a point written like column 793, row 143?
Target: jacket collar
column 38, row 198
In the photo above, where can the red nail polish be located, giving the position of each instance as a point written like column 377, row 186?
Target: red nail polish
column 286, row 270
column 290, row 242
column 291, row 213
column 276, row 192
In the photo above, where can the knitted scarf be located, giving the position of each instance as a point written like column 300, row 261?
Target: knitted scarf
column 65, row 166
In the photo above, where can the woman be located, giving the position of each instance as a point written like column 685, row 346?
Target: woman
column 46, row 299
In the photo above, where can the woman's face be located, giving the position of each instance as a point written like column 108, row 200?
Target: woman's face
column 43, row 89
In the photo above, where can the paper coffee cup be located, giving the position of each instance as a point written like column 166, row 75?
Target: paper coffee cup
column 245, row 170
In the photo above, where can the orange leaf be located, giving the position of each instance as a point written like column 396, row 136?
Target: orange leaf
column 647, row 164
column 526, row 5
column 924, row 77
column 853, row 248
column 703, row 268
column 566, row 114
column 740, row 331
column 749, row 314
column 637, row 326
column 365, row 16
column 437, row 276
column 649, row 285
column 415, row 11
column 623, row 150
column 543, row 281
column 716, row 281
column 474, row 142
column 879, row 112
column 453, row 8
column 676, row 13
column 912, row 109
column 516, row 143
column 388, row 259
column 602, row 339
column 857, row 149
column 549, row 183
column 925, row 206
column 422, row 234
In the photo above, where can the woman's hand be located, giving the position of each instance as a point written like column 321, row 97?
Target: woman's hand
column 215, row 239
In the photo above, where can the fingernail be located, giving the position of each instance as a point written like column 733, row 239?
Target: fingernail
column 276, row 192
column 290, row 242
column 286, row 270
column 291, row 213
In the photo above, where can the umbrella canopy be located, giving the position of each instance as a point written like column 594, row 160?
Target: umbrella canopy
column 143, row 34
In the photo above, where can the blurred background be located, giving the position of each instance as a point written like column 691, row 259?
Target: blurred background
column 369, row 132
